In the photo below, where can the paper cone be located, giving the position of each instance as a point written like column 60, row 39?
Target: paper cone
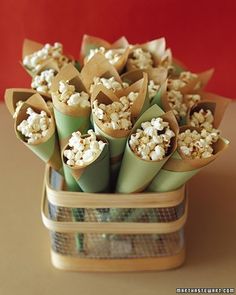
column 94, row 177
column 69, row 119
column 178, row 170
column 47, row 149
column 158, row 75
column 29, row 47
column 133, row 168
column 160, row 55
column 90, row 42
column 98, row 66
column 213, row 102
column 13, row 95
column 178, row 66
column 117, row 138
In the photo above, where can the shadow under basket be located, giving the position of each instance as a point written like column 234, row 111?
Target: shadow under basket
column 113, row 232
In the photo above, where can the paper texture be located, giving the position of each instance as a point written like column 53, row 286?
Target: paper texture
column 131, row 177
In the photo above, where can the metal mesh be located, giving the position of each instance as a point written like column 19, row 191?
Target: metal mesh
column 107, row 246
column 167, row 214
column 117, row 246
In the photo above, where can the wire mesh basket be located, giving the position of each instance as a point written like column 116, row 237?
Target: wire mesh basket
column 110, row 232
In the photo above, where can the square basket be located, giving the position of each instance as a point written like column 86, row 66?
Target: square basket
column 113, row 232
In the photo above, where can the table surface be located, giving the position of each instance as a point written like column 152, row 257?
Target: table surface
column 25, row 266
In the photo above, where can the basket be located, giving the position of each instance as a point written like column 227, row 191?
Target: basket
column 110, row 232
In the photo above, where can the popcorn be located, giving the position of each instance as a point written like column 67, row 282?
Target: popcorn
column 152, row 89
column 183, row 79
column 197, row 145
column 117, row 115
column 153, row 140
column 35, row 127
column 176, row 102
column 141, row 59
column 83, row 150
column 110, row 84
column 113, row 55
column 192, row 99
column 18, row 107
column 55, row 52
column 203, row 119
column 43, row 81
column 66, row 93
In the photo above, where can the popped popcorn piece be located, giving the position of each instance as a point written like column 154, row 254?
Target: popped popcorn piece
column 117, row 115
column 187, row 76
column 83, row 150
column 17, row 109
column 113, row 55
column 176, row 102
column 55, row 52
column 197, row 145
column 66, row 93
column 141, row 59
column 35, row 127
column 191, row 99
column 180, row 82
column 203, row 119
column 110, row 83
column 152, row 140
column 43, row 81
column 152, row 89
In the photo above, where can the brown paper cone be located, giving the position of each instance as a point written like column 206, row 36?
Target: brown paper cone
column 216, row 103
column 13, row 95
column 29, row 47
column 158, row 75
column 185, row 164
column 69, row 73
column 46, row 148
column 90, row 42
column 98, row 66
column 160, row 55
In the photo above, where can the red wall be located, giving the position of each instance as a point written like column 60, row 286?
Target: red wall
column 202, row 33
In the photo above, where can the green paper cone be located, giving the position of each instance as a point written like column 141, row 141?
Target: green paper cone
column 47, row 149
column 178, row 170
column 131, row 177
column 95, row 177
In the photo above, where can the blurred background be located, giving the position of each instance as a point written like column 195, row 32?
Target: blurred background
column 200, row 33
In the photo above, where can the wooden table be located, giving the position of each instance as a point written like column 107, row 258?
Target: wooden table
column 25, row 266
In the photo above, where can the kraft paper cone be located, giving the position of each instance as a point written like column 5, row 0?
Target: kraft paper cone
column 117, row 138
column 158, row 75
column 213, row 102
column 47, row 148
column 94, row 177
column 161, row 98
column 178, row 169
column 98, row 66
column 13, row 95
column 133, row 168
column 29, row 47
column 69, row 119
column 160, row 55
column 90, row 42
